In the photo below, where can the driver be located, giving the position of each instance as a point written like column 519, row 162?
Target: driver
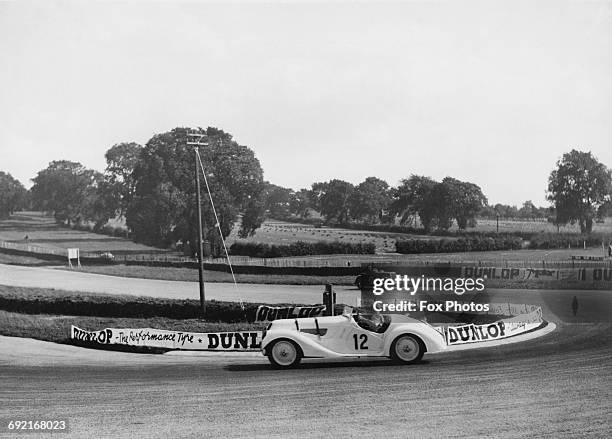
column 372, row 323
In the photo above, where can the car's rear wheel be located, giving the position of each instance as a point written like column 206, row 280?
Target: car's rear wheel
column 407, row 349
column 284, row 354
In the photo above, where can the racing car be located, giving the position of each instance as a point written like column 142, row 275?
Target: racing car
column 404, row 339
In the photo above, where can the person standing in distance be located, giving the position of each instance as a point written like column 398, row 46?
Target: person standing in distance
column 575, row 306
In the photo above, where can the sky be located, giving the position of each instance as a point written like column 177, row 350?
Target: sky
column 491, row 92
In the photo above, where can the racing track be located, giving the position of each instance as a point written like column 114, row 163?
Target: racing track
column 555, row 386
column 37, row 277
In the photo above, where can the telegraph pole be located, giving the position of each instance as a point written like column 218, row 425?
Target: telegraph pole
column 196, row 140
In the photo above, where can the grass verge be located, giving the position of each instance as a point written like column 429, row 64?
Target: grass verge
column 47, row 314
column 58, row 302
column 56, row 328
column 189, row 274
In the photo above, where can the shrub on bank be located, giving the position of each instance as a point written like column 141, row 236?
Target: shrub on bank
column 141, row 307
column 47, row 301
column 299, row 248
column 567, row 240
column 466, row 244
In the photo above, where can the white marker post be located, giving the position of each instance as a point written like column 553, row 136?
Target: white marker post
column 73, row 253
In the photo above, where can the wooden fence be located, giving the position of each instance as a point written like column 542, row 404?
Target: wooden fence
column 311, row 261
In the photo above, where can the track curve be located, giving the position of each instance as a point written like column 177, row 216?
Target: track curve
column 553, row 386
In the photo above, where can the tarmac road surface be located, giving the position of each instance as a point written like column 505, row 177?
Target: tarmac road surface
column 558, row 300
column 556, row 386
column 37, row 277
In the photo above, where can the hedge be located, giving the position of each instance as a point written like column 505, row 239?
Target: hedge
column 44, row 301
column 568, row 240
column 299, row 248
column 413, row 246
column 107, row 306
column 408, row 230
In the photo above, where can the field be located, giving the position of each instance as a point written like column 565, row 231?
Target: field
column 279, row 232
column 508, row 226
column 36, row 229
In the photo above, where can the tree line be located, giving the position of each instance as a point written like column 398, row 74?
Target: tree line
column 152, row 187
column 579, row 189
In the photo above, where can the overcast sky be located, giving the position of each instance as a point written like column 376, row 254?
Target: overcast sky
column 490, row 92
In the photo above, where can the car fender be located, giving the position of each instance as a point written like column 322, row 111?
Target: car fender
column 434, row 341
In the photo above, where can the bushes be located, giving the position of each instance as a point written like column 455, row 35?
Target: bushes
column 106, row 229
column 42, row 301
column 64, row 303
column 299, row 248
column 403, row 229
column 567, row 240
column 467, row 244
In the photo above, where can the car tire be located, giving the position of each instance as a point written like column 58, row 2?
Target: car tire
column 284, row 353
column 407, row 349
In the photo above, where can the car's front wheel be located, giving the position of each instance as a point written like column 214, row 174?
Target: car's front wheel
column 407, row 349
column 284, row 354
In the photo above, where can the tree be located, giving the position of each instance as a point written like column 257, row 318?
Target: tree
column 412, row 198
column 66, row 189
column 333, row 200
column 300, row 203
column 369, row 200
column 162, row 211
column 13, row 195
column 460, row 200
column 604, row 210
column 578, row 187
column 441, row 205
column 119, row 183
column 437, row 204
column 277, row 200
column 528, row 211
column 506, row 211
column 316, row 194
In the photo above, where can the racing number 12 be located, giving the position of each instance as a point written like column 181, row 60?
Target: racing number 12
column 364, row 340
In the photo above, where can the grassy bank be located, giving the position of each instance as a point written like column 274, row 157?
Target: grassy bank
column 189, row 274
column 56, row 328
column 58, row 302
column 47, row 314
column 29, row 261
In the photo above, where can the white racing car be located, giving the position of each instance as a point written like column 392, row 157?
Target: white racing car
column 285, row 342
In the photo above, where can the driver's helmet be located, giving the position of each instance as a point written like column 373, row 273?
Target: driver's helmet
column 371, row 322
column 377, row 320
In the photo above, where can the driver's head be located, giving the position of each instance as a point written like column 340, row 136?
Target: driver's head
column 377, row 319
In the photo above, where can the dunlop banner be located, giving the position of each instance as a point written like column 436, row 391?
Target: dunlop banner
column 510, row 309
column 494, row 331
column 582, row 274
column 158, row 338
column 269, row 313
column 597, row 274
